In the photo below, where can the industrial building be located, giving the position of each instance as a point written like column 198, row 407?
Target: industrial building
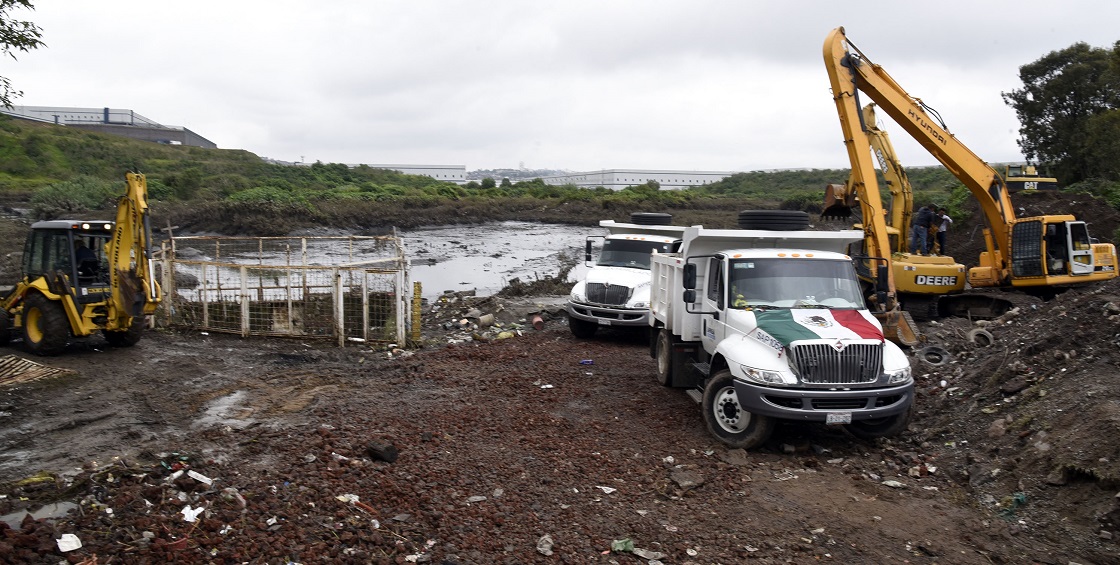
column 618, row 179
column 126, row 123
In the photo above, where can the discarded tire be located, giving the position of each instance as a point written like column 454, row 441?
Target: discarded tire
column 934, row 355
column 778, row 220
column 651, row 218
column 981, row 337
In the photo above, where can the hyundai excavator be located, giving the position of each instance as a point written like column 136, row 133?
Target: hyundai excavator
column 1039, row 254
column 922, row 280
column 81, row 277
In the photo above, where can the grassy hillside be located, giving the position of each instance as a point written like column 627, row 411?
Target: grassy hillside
column 58, row 171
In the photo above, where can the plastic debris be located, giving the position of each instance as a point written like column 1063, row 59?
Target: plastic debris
column 191, row 514
column 893, row 484
column 68, row 542
column 626, row 545
column 544, row 545
column 474, row 499
column 607, row 490
column 649, row 554
column 587, row 362
column 200, row 477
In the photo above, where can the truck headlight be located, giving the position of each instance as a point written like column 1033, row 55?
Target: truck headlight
column 641, row 304
column 575, row 296
column 766, row 377
column 899, row 376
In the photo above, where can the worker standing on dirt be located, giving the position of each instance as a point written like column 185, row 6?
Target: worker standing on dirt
column 919, row 229
column 943, row 230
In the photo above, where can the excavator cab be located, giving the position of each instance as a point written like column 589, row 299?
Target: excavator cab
column 69, row 254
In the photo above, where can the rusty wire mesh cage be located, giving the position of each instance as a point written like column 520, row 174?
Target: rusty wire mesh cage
column 350, row 289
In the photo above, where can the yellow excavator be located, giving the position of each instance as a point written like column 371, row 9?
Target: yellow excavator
column 921, row 280
column 82, row 276
column 1038, row 254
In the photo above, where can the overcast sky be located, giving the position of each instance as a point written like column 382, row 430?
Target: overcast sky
column 576, row 85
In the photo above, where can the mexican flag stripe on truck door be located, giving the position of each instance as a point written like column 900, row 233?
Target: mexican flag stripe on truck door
column 788, row 326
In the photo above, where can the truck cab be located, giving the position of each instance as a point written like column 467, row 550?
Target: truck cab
column 615, row 290
column 761, row 326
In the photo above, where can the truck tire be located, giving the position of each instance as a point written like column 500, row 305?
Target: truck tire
column 126, row 338
column 777, row 220
column 582, row 328
column 664, row 355
column 726, row 419
column 5, row 327
column 651, row 218
column 881, row 427
column 45, row 327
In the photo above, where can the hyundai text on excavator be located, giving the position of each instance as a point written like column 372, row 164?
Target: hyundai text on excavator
column 921, row 280
column 81, row 277
column 1038, row 254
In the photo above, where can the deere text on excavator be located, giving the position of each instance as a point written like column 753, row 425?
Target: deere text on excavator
column 1037, row 254
column 82, row 276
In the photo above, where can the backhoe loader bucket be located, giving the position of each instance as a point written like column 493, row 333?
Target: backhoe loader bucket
column 838, row 201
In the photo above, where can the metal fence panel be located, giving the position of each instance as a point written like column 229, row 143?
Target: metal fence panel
column 350, row 289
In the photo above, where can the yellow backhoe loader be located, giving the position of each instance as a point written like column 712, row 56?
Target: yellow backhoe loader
column 81, row 277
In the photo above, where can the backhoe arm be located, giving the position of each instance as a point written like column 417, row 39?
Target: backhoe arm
column 134, row 291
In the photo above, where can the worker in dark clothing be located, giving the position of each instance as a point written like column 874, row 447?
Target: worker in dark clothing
column 87, row 259
column 919, row 229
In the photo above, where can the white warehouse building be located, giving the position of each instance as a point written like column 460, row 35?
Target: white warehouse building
column 618, row 179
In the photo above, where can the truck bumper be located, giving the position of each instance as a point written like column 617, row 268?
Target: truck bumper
column 609, row 315
column 814, row 405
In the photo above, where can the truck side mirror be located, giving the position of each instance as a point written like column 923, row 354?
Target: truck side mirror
column 587, row 253
column 689, row 296
column 882, row 286
column 689, row 278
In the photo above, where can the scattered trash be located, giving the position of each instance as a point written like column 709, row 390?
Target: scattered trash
column 544, row 545
column 191, row 514
column 474, row 499
column 546, row 386
column 587, row 362
column 648, row 554
column 538, row 322
column 893, row 484
column 607, row 490
column 200, row 477
column 626, row 545
column 68, row 542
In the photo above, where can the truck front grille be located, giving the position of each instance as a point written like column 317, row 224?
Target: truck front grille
column 821, row 363
column 613, row 294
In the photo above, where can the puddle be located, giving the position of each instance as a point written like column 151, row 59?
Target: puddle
column 56, row 510
column 225, row 410
column 485, row 257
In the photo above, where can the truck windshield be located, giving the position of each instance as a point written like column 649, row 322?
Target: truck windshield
column 794, row 283
column 632, row 252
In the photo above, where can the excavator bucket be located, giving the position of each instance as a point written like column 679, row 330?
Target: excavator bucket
column 838, row 201
column 899, row 327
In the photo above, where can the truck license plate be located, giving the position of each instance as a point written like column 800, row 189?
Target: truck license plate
column 836, row 418
column 604, row 322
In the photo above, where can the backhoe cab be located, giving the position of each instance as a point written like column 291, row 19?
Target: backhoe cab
column 83, row 276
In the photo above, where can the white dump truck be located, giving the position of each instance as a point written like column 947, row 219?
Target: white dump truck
column 762, row 325
column 615, row 291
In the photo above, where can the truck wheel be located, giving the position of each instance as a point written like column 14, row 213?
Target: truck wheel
column 129, row 337
column 881, row 427
column 45, row 328
column 665, row 358
column 582, row 328
column 779, row 220
column 5, row 327
column 726, row 419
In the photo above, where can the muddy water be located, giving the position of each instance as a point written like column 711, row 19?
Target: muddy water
column 485, row 257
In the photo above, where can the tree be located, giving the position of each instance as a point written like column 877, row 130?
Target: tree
column 15, row 35
column 1067, row 110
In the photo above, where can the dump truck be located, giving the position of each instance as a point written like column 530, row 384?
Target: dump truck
column 764, row 325
column 615, row 290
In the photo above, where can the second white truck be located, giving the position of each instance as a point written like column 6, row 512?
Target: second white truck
column 762, row 325
column 615, row 291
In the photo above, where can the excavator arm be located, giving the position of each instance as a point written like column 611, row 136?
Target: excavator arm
column 134, row 291
column 852, row 72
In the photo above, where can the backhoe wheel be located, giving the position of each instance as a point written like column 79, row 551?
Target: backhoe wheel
column 881, row 427
column 5, row 327
column 664, row 356
column 45, row 328
column 126, row 338
column 727, row 420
